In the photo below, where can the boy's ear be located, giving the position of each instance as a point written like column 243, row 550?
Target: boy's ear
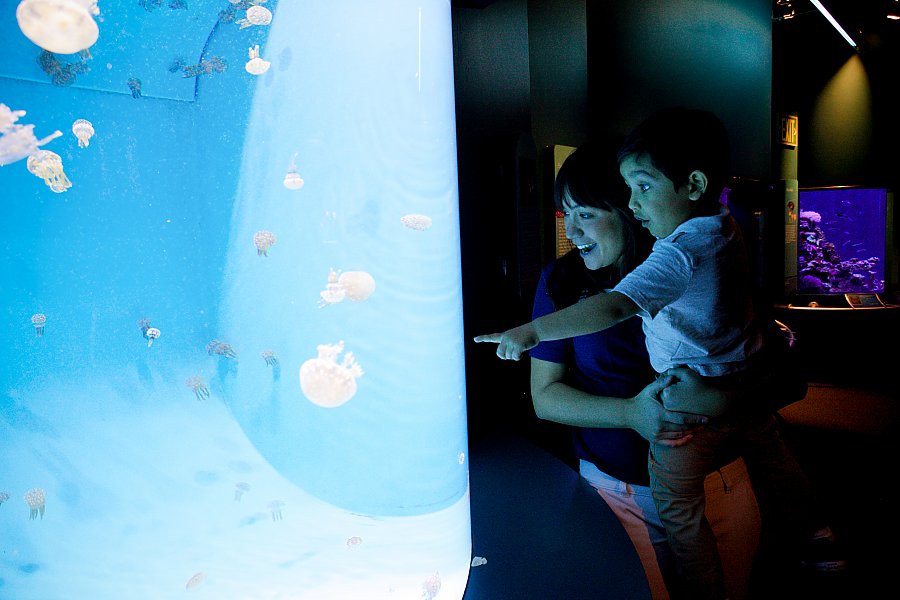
column 697, row 183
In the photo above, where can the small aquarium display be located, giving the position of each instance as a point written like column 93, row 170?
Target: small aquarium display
column 842, row 240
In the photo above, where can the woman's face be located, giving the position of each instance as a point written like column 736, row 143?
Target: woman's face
column 597, row 233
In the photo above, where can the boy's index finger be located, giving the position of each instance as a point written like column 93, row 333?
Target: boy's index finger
column 490, row 337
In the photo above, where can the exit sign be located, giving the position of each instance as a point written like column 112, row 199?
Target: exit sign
column 787, row 130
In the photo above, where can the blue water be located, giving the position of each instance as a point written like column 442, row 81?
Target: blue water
column 250, row 489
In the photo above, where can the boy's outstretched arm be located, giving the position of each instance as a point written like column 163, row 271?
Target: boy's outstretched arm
column 588, row 316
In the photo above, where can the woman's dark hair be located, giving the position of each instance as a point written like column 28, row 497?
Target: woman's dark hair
column 590, row 177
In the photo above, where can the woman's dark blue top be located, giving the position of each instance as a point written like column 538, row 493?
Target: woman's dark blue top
column 612, row 363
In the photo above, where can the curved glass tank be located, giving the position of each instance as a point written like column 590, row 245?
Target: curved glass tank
column 232, row 345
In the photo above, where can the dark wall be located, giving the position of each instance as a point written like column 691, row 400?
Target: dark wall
column 539, row 73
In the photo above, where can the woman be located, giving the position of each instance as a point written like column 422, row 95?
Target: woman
column 602, row 384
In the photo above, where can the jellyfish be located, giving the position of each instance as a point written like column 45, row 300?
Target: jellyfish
column 18, row 141
column 292, row 179
column 48, row 166
column 4, row 496
column 326, row 382
column 461, row 457
column 239, row 489
column 34, row 498
column 354, row 541
column 357, row 285
column 199, row 388
column 256, row 65
column 269, row 357
column 220, row 348
column 134, row 84
column 431, row 586
column 38, row 321
column 478, row 561
column 83, row 130
column 275, row 507
column 61, row 26
column 151, row 334
column 195, row 580
column 256, row 15
column 144, row 324
column 417, row 222
column 264, row 240
column 333, row 292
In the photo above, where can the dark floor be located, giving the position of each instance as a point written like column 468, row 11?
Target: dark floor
column 843, row 440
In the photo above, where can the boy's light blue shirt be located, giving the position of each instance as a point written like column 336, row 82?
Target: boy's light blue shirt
column 694, row 295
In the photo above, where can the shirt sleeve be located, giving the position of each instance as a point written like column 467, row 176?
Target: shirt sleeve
column 555, row 351
column 660, row 280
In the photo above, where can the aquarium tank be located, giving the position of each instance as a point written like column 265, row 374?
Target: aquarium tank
column 842, row 242
column 231, row 328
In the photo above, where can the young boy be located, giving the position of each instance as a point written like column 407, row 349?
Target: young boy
column 693, row 295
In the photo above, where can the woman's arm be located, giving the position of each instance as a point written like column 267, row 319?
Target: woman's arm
column 557, row 401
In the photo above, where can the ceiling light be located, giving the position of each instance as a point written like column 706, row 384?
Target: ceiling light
column 832, row 20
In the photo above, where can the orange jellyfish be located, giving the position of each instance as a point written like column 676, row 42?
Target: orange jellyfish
column 195, row 580
column 48, row 166
column 292, row 179
column 275, row 507
column 221, row 349
column 256, row 65
column 240, row 488
column 326, row 382
column 83, row 130
column 198, row 387
column 34, row 498
column 269, row 357
column 431, row 586
column 417, row 222
column 60, row 26
column 38, row 321
column 264, row 240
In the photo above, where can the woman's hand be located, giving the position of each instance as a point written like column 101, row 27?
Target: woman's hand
column 513, row 342
column 657, row 424
column 687, row 392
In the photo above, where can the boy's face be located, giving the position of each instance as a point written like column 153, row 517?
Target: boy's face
column 654, row 200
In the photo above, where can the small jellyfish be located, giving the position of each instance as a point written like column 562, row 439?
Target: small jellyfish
column 144, row 324
column 357, row 285
column 240, row 488
column 34, row 498
column 134, row 84
column 264, row 240
column 354, row 541
column 83, row 130
column 333, row 292
column 275, row 507
column 221, row 349
column 48, row 166
column 431, row 586
column 292, row 179
column 256, row 65
column 152, row 334
column 417, row 222
column 461, row 457
column 256, row 15
column 478, row 561
column 198, row 387
column 38, row 321
column 195, row 580
column 4, row 496
column 269, row 357
column 326, row 382
column 61, row 26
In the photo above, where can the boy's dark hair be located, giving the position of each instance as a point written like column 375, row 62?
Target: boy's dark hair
column 590, row 177
column 682, row 140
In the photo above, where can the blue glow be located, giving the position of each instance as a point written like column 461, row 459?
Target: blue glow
column 146, row 481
